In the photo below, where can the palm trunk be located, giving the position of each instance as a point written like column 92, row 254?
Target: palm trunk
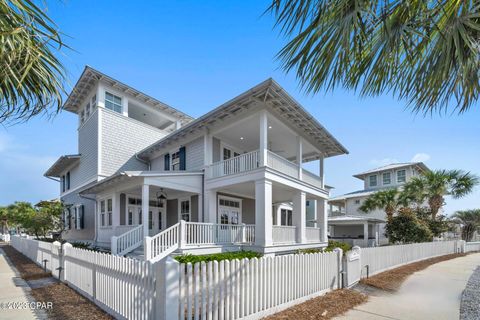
column 435, row 203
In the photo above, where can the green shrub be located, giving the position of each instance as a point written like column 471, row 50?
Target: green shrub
column 337, row 244
column 186, row 258
column 406, row 227
column 305, row 251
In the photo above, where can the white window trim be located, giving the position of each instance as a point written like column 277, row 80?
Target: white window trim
column 170, row 153
column 405, row 176
column 370, row 181
column 279, row 212
column 99, row 205
column 240, row 216
column 189, row 199
column 116, row 95
column 383, row 180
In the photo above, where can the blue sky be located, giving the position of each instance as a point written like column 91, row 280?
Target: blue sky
column 194, row 55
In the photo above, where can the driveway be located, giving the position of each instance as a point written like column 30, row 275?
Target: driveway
column 433, row 293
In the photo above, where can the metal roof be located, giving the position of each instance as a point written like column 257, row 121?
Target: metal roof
column 61, row 165
column 90, row 77
column 392, row 166
column 278, row 101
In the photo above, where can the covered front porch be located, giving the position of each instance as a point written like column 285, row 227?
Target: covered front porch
column 357, row 231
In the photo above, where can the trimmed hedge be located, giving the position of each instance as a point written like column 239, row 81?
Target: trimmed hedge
column 331, row 245
column 186, row 258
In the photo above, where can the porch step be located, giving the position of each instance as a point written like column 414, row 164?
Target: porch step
column 138, row 253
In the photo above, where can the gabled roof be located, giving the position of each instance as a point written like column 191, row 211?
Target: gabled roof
column 277, row 100
column 90, row 77
column 61, row 165
column 392, row 166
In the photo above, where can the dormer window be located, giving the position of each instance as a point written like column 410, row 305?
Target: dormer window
column 372, row 181
column 401, row 176
column 87, row 111
column 113, row 102
column 387, row 178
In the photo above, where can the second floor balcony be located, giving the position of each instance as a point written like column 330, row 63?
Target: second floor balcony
column 252, row 160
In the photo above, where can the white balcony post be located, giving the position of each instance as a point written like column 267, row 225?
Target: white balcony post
column 263, row 213
column 300, row 216
column 321, row 172
column 365, row 234
column 322, row 218
column 145, row 207
column 147, row 248
column 299, row 156
column 263, row 138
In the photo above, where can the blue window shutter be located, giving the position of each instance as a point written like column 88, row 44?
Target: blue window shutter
column 183, row 158
column 81, row 216
column 166, row 165
column 69, row 218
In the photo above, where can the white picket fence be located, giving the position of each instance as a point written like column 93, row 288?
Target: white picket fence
column 379, row 259
column 254, row 288
column 472, row 246
column 248, row 289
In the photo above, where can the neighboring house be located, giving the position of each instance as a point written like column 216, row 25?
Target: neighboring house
column 150, row 177
column 347, row 223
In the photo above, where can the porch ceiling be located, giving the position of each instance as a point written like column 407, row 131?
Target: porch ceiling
column 244, row 136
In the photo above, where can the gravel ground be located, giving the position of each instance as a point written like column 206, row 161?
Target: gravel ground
column 470, row 305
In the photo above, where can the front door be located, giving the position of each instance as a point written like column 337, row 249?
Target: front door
column 230, row 216
column 157, row 220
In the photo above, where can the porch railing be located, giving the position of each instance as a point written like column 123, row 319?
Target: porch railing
column 128, row 241
column 244, row 162
column 281, row 164
column 312, row 179
column 284, row 234
column 313, row 234
column 199, row 233
column 163, row 243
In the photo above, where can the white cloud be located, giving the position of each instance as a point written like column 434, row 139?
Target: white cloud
column 420, row 157
column 382, row 162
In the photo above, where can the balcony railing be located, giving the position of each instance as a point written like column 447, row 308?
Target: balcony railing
column 313, row 234
column 251, row 161
column 284, row 234
column 200, row 233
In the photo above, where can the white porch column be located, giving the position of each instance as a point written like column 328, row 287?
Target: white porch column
column 263, row 213
column 145, row 208
column 300, row 215
column 263, row 138
column 115, row 210
column 299, row 156
column 210, row 205
column 208, row 148
column 321, row 172
column 365, row 234
column 322, row 218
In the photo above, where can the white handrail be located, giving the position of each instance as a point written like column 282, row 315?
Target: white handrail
column 281, row 164
column 284, row 234
column 200, row 233
column 244, row 162
column 163, row 243
column 127, row 241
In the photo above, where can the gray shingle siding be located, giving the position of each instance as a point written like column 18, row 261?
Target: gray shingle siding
column 88, row 232
column 121, row 138
column 88, row 149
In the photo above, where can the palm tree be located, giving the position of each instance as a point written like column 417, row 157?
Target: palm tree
column 424, row 52
column 433, row 186
column 387, row 200
column 31, row 76
column 470, row 221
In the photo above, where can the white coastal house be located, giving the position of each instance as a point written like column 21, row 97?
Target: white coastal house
column 348, row 224
column 150, row 179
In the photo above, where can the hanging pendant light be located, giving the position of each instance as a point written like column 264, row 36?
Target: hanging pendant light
column 161, row 197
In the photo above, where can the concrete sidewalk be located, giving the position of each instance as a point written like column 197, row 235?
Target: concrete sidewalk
column 433, row 293
column 13, row 289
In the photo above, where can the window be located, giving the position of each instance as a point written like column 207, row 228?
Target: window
column 372, row 181
column 175, row 156
column 68, row 180
column 229, row 203
column 82, row 116
column 102, row 213
column 160, row 221
column 130, row 216
column 109, row 211
column 227, row 154
column 62, row 181
column 150, row 220
column 387, row 178
column 87, row 111
column 357, row 201
column 113, row 102
column 401, row 176
column 185, row 209
column 286, row 217
column 94, row 101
